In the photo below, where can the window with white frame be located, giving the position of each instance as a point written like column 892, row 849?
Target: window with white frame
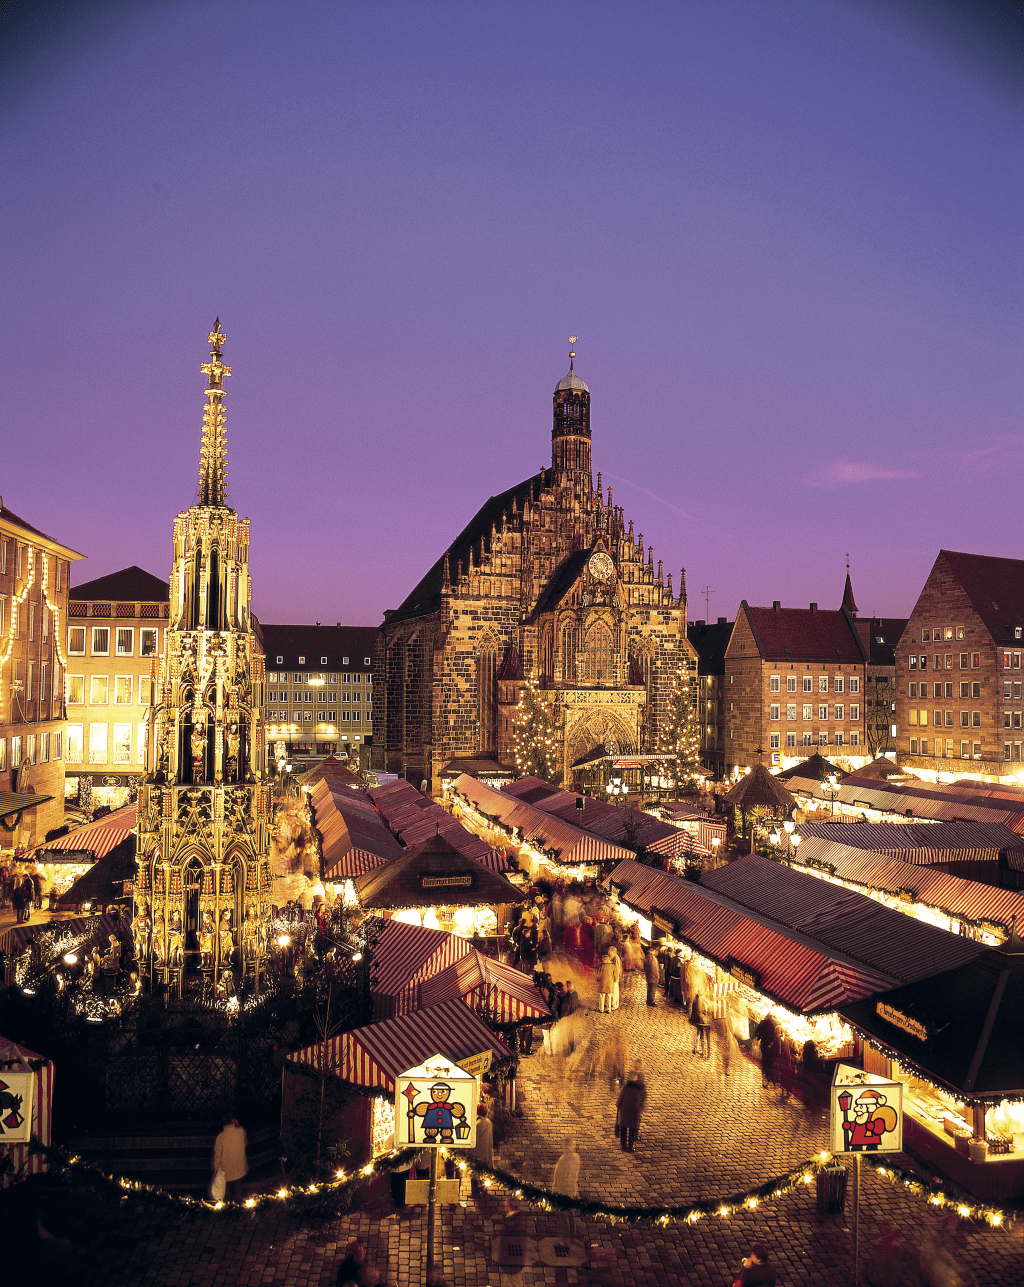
column 73, row 751
column 15, row 752
column 823, row 712
column 3, row 754
column 791, row 710
column 838, row 713
column 791, row 739
column 837, row 684
column 773, row 741
column 147, row 642
column 855, row 712
column 854, row 683
column 332, row 716
column 808, row 711
column 76, row 641
column 122, row 690
column 823, row 683
column 3, row 556
column 302, row 661
column 808, row 683
column 101, row 641
column 855, row 739
column 773, row 710
column 773, row 683
column 43, row 675
column 791, row 683
column 122, row 743
column 97, row 743
column 823, row 739
column 344, row 661
column 807, row 739
column 125, row 641
column 99, row 690
column 323, row 661
column 145, row 690
column 46, row 623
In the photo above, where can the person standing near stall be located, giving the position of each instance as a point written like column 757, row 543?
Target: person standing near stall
column 651, row 970
column 229, row 1156
column 767, row 1035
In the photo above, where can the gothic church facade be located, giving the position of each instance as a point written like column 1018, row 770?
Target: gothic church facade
column 547, row 579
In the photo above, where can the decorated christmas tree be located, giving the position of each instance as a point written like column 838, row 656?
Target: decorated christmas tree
column 535, row 742
column 682, row 727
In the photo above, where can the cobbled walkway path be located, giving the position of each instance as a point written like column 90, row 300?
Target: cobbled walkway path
column 703, row 1135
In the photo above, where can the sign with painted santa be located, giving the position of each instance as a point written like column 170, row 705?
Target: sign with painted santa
column 867, row 1112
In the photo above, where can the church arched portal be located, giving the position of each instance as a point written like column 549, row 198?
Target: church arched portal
column 596, row 731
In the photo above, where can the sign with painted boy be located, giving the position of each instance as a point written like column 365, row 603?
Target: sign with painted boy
column 867, row 1112
column 435, row 1105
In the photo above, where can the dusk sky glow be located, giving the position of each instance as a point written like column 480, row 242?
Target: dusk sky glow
column 788, row 237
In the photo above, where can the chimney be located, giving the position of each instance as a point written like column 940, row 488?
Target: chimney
column 777, row 606
column 814, row 607
column 723, row 621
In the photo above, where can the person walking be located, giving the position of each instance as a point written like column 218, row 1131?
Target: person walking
column 651, row 971
column 605, row 984
column 483, row 1149
column 617, row 966
column 570, row 999
column 767, row 1036
column 18, row 898
column 629, row 1107
column 726, row 1043
column 757, row 1269
column 566, row 1179
column 229, row 1157
column 701, row 1021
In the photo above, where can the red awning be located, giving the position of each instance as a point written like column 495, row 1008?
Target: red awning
column 486, row 985
column 377, row 1055
column 405, row 955
column 97, row 837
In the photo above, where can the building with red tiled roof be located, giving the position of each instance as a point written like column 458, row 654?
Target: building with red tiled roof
column 959, row 670
column 795, row 679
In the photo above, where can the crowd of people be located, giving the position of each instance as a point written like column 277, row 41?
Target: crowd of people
column 22, row 887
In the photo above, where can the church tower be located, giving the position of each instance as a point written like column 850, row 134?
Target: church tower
column 570, row 432
column 204, row 811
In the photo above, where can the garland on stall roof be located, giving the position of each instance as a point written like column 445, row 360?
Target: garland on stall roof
column 316, row 1200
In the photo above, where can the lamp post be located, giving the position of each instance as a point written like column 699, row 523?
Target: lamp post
column 794, row 841
column 616, row 788
column 715, row 842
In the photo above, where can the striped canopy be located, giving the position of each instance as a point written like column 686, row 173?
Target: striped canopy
column 486, row 985
column 414, row 817
column 97, row 838
column 377, row 1055
column 353, row 836
column 405, row 955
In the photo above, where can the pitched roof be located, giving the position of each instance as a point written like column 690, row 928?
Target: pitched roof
column 313, row 642
column 426, row 596
column 9, row 516
column 434, row 872
column 561, row 581
column 805, row 634
column 710, row 643
column 334, row 773
column 994, row 586
column 511, row 668
column 132, row 584
column 849, row 602
column 759, row 788
column 816, row 768
column 880, row 635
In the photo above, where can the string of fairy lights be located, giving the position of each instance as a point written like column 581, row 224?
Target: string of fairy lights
column 317, row 1197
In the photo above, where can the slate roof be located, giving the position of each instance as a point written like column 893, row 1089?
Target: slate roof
column 800, row 634
column 881, row 635
column 849, row 602
column 9, row 516
column 313, row 642
column 425, row 598
column 130, row 585
column 561, row 581
column 710, row 643
column 994, row 586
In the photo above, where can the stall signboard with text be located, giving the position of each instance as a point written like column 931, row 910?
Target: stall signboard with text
column 435, row 1105
column 867, row 1113
column 16, row 1090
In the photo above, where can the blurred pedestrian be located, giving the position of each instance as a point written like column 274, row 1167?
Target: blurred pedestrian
column 726, row 1043
column 757, row 1270
column 605, row 983
column 354, row 1269
column 651, row 971
column 229, row 1157
column 566, row 1179
column 767, row 1036
column 701, row 1028
column 617, row 966
column 483, row 1150
column 570, row 999
column 629, row 1107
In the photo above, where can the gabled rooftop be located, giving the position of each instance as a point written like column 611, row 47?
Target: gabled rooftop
column 994, row 586
column 131, row 585
column 805, row 634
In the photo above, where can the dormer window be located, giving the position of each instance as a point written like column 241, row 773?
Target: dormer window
column 323, row 661
column 302, row 661
column 1016, row 632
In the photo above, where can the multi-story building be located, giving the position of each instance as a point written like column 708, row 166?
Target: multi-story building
column 320, row 690
column 547, row 580
column 710, row 643
column 958, row 698
column 117, row 625
column 881, row 635
column 34, row 576
column 795, row 680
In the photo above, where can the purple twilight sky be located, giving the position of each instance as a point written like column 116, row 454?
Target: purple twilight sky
column 787, row 235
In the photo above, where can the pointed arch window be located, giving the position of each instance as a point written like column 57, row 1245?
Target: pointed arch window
column 568, row 649
column 599, row 657
column 487, row 695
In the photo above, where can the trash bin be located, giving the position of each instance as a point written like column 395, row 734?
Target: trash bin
column 831, row 1190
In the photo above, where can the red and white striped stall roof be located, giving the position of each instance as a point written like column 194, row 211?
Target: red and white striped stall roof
column 414, row 817
column 794, row 965
column 354, row 838
column 405, row 955
column 377, row 1055
column 19, row 1155
column 486, row 985
column 14, row 938
column 922, row 842
column 97, row 837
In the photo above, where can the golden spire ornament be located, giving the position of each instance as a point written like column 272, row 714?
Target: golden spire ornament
column 213, row 448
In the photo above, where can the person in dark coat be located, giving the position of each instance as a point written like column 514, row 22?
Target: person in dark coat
column 767, row 1035
column 18, row 899
column 651, row 970
column 629, row 1106
column 757, row 1270
column 570, row 999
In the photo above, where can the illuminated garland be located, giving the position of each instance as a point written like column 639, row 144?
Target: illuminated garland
column 17, row 600
column 535, row 741
column 315, row 1198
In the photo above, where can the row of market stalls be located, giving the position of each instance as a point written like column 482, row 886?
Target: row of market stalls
column 827, row 962
column 67, row 859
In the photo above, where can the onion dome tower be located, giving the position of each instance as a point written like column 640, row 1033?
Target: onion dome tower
column 570, row 433
column 204, row 811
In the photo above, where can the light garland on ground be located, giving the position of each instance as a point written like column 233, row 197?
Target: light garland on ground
column 317, row 1197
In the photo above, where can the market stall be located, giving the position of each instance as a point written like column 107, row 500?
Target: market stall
column 954, row 1040
column 69, row 857
column 435, row 885
column 353, row 838
column 19, row 1159
column 489, row 987
column 403, row 958
column 374, row 1056
column 109, row 880
column 758, row 796
column 414, row 817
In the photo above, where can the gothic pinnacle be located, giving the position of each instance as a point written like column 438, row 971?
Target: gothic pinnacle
column 213, row 453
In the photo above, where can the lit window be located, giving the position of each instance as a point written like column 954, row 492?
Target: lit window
column 823, row 683
column 123, row 690
column 76, row 690
column 344, row 661
column 125, row 641
column 99, row 689
column 323, row 661
column 773, row 741
column 302, row 661
column 100, row 641
column 147, row 642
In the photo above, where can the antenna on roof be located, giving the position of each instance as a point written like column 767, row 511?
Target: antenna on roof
column 706, row 594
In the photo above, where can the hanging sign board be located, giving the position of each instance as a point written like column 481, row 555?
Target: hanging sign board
column 435, row 1105
column 16, row 1090
column 867, row 1113
column 477, row 1065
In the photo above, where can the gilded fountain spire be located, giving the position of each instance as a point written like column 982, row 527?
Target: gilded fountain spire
column 213, row 449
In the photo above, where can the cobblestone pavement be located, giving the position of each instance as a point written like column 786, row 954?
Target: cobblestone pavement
column 703, row 1135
